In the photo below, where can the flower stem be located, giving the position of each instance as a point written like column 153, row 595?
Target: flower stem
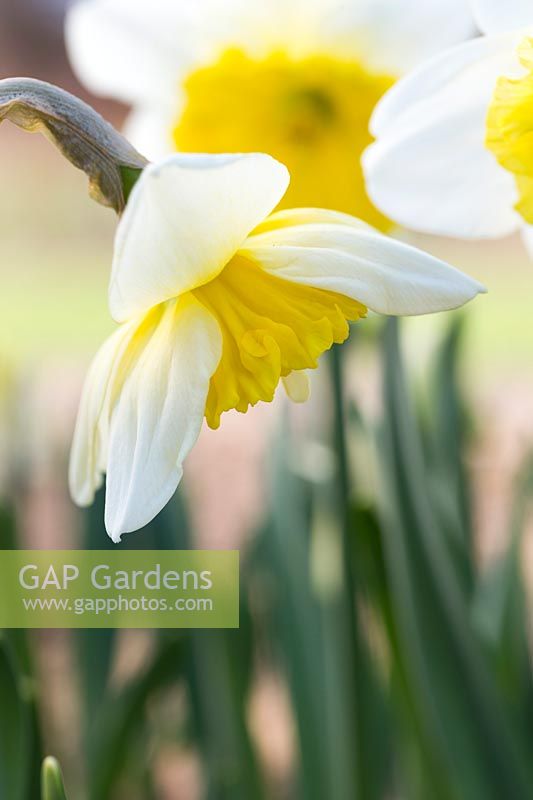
column 343, row 472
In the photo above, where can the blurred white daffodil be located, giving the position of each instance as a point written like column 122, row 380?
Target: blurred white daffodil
column 453, row 154
column 297, row 79
column 219, row 300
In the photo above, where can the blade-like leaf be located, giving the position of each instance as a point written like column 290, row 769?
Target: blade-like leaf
column 116, row 722
column 375, row 720
column 16, row 740
column 500, row 610
column 8, row 531
column 96, row 648
column 218, row 674
column 82, row 136
column 311, row 630
column 123, row 718
column 52, row 781
column 447, row 441
column 460, row 713
column 218, row 693
column 16, row 647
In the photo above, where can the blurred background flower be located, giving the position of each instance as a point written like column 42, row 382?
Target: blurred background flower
column 295, row 79
column 438, row 646
column 458, row 128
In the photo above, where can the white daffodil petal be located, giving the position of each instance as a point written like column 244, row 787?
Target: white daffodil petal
column 441, row 180
column 149, row 127
column 527, row 238
column 297, row 386
column 146, row 50
column 289, row 217
column 388, row 276
column 140, row 52
column 483, row 60
column 394, row 36
column 429, row 169
column 185, row 219
column 158, row 413
column 127, row 48
column 89, row 447
column 494, row 16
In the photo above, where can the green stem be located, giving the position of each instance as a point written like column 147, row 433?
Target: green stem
column 343, row 473
column 349, row 644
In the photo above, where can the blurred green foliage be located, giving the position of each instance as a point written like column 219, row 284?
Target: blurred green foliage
column 408, row 671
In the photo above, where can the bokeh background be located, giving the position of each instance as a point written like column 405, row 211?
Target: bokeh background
column 233, row 724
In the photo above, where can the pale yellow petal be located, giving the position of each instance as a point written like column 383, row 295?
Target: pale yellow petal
column 297, row 386
column 184, row 220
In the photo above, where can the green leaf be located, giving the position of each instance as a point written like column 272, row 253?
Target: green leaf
column 448, row 435
column 311, row 626
column 392, row 733
column 376, row 724
column 16, row 650
column 114, row 721
column 96, row 647
column 16, row 733
column 123, row 718
column 461, row 717
column 52, row 781
column 218, row 674
column 218, row 692
column 8, row 531
column 82, row 136
column 500, row 611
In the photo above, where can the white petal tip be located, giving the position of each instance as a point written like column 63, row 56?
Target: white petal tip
column 297, row 386
column 116, row 538
column 83, row 495
column 475, row 288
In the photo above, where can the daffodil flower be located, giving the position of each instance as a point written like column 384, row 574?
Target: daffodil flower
column 218, row 299
column 453, row 154
column 294, row 78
